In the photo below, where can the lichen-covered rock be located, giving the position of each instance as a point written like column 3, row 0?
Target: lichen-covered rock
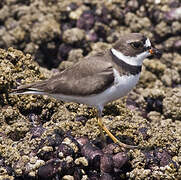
column 173, row 14
column 45, row 30
column 155, row 66
column 170, row 42
column 176, row 26
column 73, row 35
column 47, row 22
column 172, row 104
column 64, row 65
column 162, row 29
column 21, row 66
column 171, row 77
column 41, row 149
column 75, row 55
column 136, row 23
column 177, row 62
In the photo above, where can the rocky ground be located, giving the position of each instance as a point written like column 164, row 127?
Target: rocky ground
column 41, row 138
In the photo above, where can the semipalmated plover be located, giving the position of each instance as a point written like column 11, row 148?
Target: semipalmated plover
column 98, row 79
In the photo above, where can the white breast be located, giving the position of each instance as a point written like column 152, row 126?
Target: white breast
column 122, row 85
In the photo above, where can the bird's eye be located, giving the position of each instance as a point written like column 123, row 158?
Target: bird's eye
column 136, row 45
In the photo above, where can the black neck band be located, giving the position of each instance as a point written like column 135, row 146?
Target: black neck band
column 127, row 68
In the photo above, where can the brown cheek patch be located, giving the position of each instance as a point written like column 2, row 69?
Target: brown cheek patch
column 129, row 51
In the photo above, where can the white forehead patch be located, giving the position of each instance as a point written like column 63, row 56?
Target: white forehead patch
column 135, row 61
column 147, row 43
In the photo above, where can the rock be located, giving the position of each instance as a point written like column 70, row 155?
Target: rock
column 63, row 51
column 93, row 154
column 154, row 116
column 99, row 47
column 171, row 77
column 46, row 153
column 172, row 104
column 68, row 177
column 4, row 13
column 37, row 131
column 155, row 66
column 133, row 5
column 82, row 141
column 176, row 26
column 64, row 150
column 119, row 160
column 75, row 55
column 106, row 176
column 75, row 15
column 177, row 44
column 73, row 35
column 81, row 161
column 136, row 24
column 173, row 14
column 169, row 43
column 64, row 65
column 45, row 30
column 111, row 149
column 86, row 20
column 106, row 163
column 148, row 79
column 177, row 62
column 162, row 29
column 49, row 169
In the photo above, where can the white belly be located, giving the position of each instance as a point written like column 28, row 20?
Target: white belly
column 122, row 85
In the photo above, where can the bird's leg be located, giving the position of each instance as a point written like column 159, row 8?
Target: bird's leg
column 103, row 127
column 98, row 116
column 103, row 138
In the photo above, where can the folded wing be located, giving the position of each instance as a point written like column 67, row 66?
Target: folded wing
column 87, row 77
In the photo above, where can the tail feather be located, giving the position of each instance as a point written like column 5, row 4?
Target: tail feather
column 35, row 88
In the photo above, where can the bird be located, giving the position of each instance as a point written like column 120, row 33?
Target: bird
column 99, row 79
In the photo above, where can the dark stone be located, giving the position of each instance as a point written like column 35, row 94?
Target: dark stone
column 177, row 45
column 103, row 17
column 45, row 155
column 82, row 141
column 73, row 6
column 81, row 119
column 49, row 169
column 173, row 14
column 155, row 16
column 143, row 131
column 37, row 131
column 93, row 154
column 63, row 51
column 109, row 149
column 106, row 163
column 86, row 20
column 174, row 4
column 68, row 168
column 164, row 157
column 92, row 36
column 54, row 141
column 101, row 32
column 157, row 157
column 65, row 149
column 77, row 174
column 93, row 175
column 154, row 104
column 105, row 176
column 120, row 159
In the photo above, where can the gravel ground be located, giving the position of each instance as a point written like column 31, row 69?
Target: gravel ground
column 40, row 138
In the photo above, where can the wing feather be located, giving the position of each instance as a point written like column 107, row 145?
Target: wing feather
column 87, row 77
